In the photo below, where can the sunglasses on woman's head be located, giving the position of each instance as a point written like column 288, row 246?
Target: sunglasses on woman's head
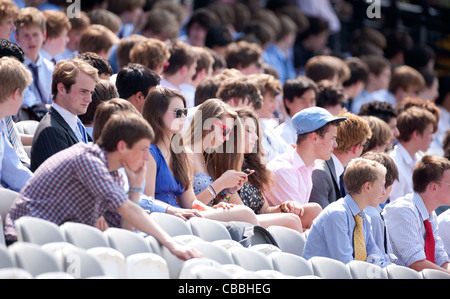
column 225, row 129
column 180, row 111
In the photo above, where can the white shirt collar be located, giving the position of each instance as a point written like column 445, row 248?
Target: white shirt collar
column 338, row 167
column 70, row 118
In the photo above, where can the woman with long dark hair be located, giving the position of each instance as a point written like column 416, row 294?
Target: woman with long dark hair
column 168, row 175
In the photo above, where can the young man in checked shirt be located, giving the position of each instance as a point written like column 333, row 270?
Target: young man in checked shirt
column 82, row 183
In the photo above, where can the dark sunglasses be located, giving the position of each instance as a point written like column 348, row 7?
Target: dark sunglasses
column 180, row 112
column 225, row 129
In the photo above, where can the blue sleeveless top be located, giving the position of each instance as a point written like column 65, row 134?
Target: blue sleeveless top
column 167, row 187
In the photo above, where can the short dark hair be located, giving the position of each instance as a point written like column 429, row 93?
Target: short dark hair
column 383, row 110
column 127, row 126
column 297, row 87
column 134, row 78
column 95, row 60
column 8, row 48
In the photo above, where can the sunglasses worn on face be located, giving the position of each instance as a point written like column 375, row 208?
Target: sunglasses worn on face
column 180, row 112
column 225, row 129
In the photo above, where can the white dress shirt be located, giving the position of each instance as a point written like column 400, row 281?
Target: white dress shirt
column 405, row 164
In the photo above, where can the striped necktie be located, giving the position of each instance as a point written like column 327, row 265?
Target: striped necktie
column 358, row 240
column 13, row 133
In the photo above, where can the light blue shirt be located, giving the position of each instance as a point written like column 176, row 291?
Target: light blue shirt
column 281, row 61
column 404, row 220
column 13, row 174
column 331, row 234
column 45, row 73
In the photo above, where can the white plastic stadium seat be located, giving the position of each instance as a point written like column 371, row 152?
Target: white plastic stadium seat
column 395, row 271
column 14, row 273
column 173, row 225
column 126, row 242
column 250, row 259
column 291, row 264
column 434, row 274
column 208, row 230
column 328, row 268
column 287, row 239
column 113, row 262
column 5, row 258
column 147, row 266
column 364, row 270
column 33, row 259
column 83, row 235
column 187, row 268
column 37, row 231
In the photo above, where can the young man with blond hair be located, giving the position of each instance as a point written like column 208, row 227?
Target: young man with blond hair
column 342, row 231
column 31, row 32
column 72, row 87
column 15, row 77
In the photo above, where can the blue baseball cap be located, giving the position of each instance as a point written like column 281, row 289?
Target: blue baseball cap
column 311, row 119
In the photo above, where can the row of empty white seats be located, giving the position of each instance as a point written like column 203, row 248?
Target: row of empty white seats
column 83, row 251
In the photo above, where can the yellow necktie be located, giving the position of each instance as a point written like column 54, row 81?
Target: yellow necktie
column 358, row 240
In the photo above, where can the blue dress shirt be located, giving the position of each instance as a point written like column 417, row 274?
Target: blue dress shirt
column 281, row 61
column 331, row 234
column 45, row 72
column 13, row 174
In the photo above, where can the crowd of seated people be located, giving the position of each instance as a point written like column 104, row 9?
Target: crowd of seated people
column 230, row 114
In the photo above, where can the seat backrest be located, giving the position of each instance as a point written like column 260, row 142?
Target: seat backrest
column 434, row 274
column 27, row 127
column 213, row 251
column 80, row 264
column 14, row 273
column 83, row 235
column 113, row 262
column 7, row 197
column 364, row 270
column 208, row 230
column 395, row 271
column 147, row 266
column 33, row 259
column 250, row 259
column 173, row 225
column 328, row 268
column 288, row 240
column 5, row 259
column 37, row 231
column 127, row 242
column 291, row 264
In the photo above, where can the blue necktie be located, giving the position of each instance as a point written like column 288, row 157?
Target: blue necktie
column 35, row 72
column 82, row 130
